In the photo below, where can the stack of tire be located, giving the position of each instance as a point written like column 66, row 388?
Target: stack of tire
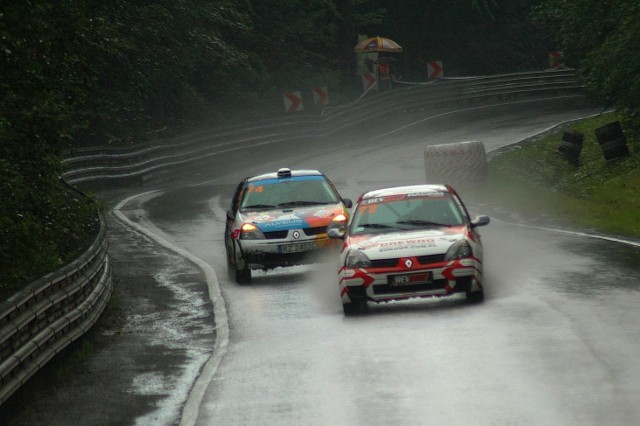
column 461, row 164
column 612, row 141
column 571, row 145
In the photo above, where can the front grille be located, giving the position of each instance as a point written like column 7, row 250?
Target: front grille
column 384, row 263
column 309, row 232
column 432, row 258
column 315, row 231
column 423, row 260
column 275, row 235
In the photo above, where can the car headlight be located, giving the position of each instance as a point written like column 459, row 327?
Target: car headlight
column 357, row 259
column 459, row 250
column 249, row 231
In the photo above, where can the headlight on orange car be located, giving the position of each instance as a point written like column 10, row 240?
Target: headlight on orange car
column 459, row 250
column 249, row 231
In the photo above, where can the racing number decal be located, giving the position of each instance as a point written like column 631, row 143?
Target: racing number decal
column 371, row 208
column 258, row 188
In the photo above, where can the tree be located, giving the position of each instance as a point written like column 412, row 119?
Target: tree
column 471, row 37
column 44, row 80
column 601, row 38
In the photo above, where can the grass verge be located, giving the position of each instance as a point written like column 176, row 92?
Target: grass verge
column 534, row 180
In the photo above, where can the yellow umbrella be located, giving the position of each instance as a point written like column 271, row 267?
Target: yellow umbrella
column 377, row 44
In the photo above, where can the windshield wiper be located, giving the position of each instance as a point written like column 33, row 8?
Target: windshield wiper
column 419, row 222
column 300, row 203
column 259, row 206
column 376, row 226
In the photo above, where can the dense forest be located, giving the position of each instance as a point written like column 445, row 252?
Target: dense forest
column 78, row 73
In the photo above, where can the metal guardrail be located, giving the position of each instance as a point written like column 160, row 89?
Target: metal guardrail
column 143, row 161
column 42, row 319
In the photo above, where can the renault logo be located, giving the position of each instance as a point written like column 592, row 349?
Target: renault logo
column 295, row 235
column 408, row 263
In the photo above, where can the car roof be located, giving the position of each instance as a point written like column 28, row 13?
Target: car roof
column 284, row 173
column 409, row 189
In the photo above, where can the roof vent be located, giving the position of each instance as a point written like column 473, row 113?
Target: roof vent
column 284, row 172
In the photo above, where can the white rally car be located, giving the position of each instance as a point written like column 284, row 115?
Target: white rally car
column 280, row 219
column 405, row 242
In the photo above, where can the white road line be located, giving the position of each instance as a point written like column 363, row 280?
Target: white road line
column 575, row 233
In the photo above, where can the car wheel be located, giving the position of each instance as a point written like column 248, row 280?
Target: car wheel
column 231, row 265
column 243, row 276
column 231, row 268
column 356, row 306
column 475, row 296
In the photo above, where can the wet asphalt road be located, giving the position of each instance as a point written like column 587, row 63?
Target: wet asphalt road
column 554, row 343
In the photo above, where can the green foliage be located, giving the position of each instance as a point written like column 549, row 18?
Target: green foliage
column 163, row 63
column 601, row 38
column 470, row 37
column 42, row 226
column 538, row 182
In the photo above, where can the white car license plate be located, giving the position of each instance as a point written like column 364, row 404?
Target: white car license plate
column 298, row 247
column 408, row 279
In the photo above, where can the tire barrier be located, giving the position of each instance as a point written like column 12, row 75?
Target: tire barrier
column 52, row 312
column 571, row 145
column 462, row 164
column 612, row 141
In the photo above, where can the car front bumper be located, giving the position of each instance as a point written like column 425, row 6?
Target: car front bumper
column 376, row 284
column 261, row 254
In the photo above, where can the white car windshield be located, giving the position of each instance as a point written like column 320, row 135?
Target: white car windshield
column 406, row 212
column 298, row 191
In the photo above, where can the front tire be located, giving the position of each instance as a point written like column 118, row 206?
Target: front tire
column 475, row 296
column 355, row 307
column 243, row 276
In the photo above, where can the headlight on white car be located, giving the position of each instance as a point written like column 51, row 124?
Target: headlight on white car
column 459, row 250
column 249, row 231
column 357, row 259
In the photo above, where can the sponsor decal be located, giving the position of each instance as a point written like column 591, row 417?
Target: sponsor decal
column 372, row 201
column 418, row 243
column 282, row 224
column 438, row 194
column 412, row 242
column 323, row 213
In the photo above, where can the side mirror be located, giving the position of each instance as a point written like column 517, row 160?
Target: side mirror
column 347, row 202
column 480, row 221
column 230, row 215
column 336, row 230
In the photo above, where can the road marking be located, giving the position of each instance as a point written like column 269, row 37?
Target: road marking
column 575, row 233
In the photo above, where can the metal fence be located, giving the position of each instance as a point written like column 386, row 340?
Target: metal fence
column 42, row 319
column 392, row 107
